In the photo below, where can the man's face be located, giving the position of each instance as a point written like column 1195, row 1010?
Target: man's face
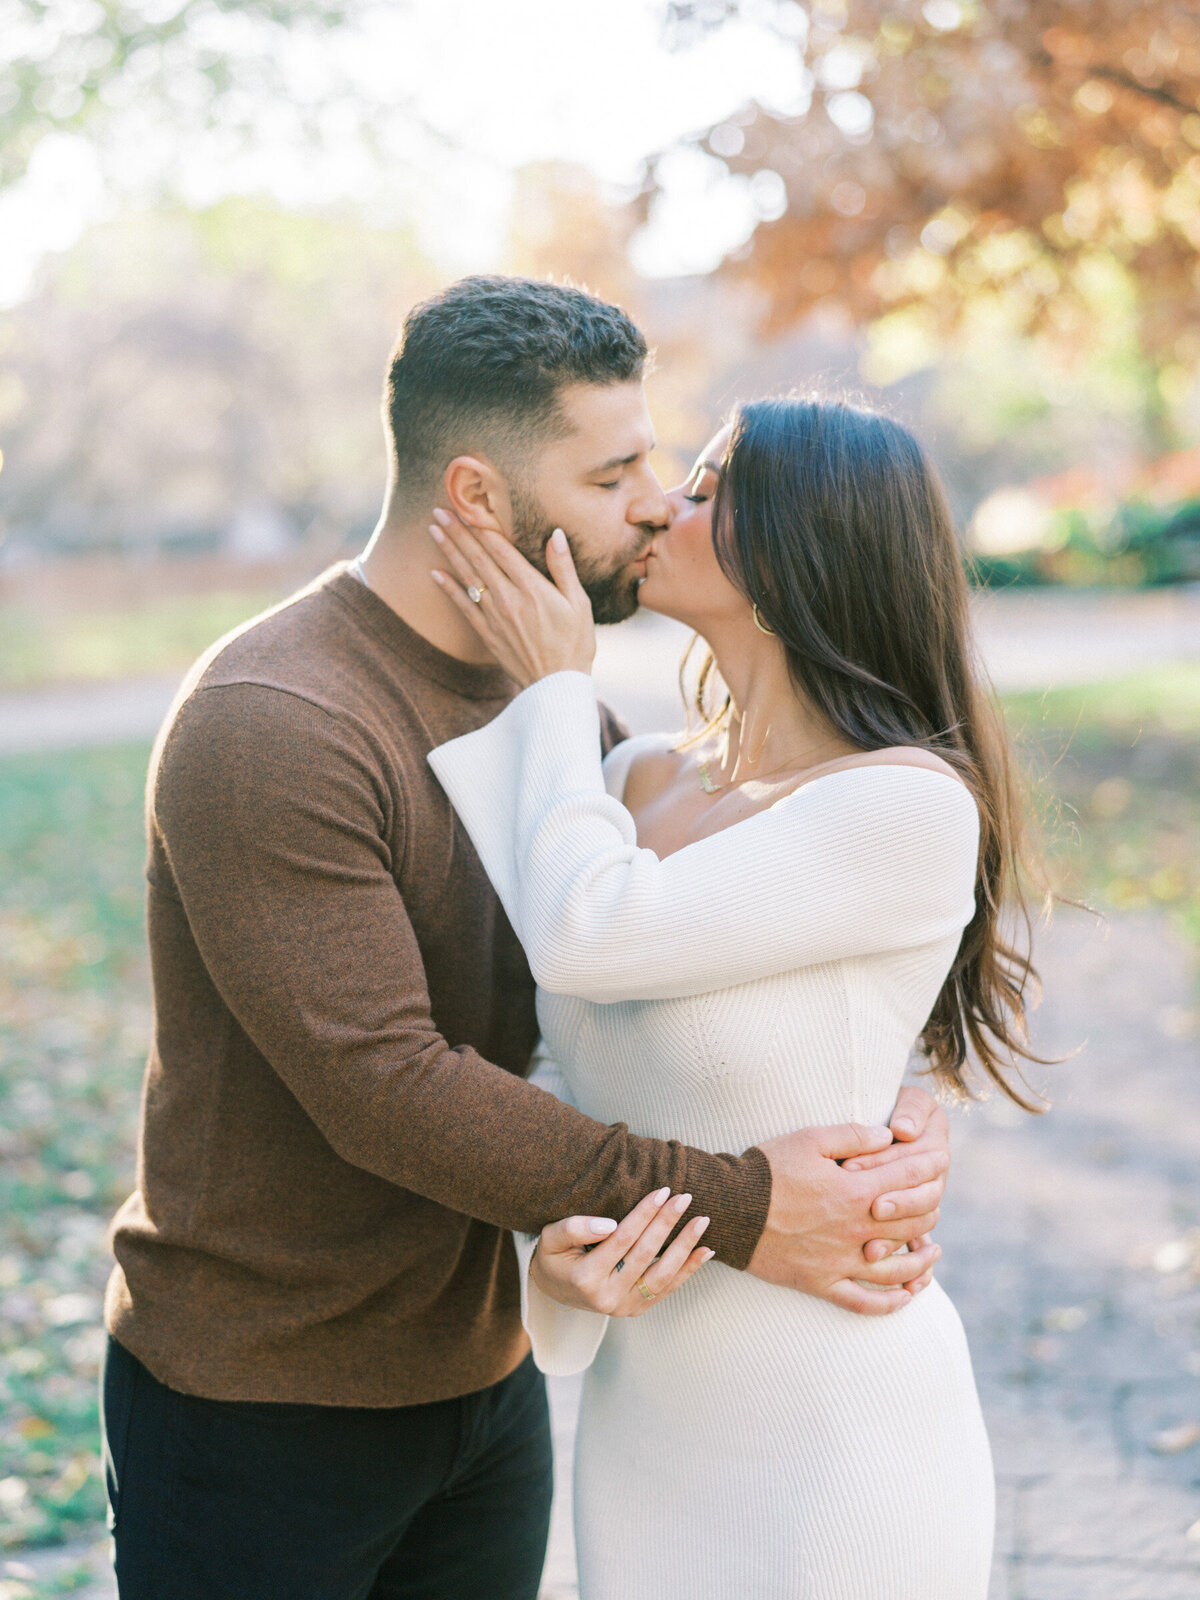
column 597, row 486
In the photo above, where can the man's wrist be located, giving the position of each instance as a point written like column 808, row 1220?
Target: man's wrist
column 738, row 1202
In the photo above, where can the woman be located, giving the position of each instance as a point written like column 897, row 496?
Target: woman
column 741, row 935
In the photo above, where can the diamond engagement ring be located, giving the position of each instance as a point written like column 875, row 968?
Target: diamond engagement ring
column 476, row 593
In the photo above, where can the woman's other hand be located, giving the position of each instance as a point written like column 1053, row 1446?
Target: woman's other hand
column 623, row 1275
column 531, row 625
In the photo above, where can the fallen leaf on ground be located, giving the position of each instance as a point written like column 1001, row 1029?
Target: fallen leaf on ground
column 1172, row 1440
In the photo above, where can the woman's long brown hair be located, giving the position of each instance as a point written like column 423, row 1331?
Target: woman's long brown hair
column 833, row 522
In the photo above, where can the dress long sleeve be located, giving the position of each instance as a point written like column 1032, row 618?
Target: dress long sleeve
column 564, row 1339
column 861, row 861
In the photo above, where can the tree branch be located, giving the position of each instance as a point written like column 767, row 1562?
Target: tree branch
column 1124, row 80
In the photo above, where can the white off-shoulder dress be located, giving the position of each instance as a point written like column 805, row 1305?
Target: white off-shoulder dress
column 742, row 1441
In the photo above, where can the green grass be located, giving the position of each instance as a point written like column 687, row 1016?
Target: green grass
column 1165, row 700
column 1117, row 786
column 1120, row 780
column 163, row 636
column 73, row 998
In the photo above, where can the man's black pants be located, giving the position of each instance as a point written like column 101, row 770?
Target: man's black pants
column 236, row 1500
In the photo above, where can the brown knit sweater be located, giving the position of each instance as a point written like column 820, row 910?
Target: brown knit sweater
column 335, row 1131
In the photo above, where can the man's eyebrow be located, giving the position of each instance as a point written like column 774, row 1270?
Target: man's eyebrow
column 619, row 461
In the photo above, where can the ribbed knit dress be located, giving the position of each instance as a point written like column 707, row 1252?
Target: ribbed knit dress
column 742, row 1441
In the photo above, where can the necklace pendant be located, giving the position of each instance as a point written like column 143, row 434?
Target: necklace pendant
column 706, row 782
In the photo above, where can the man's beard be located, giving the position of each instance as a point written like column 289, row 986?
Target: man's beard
column 613, row 593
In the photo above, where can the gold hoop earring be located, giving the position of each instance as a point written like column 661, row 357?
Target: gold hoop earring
column 760, row 624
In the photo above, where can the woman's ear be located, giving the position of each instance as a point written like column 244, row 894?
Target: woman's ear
column 478, row 495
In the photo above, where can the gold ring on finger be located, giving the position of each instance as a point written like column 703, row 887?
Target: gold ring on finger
column 476, row 592
column 644, row 1289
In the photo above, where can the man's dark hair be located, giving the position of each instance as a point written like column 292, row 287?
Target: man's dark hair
column 481, row 366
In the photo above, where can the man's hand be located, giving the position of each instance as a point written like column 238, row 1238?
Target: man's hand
column 918, row 1124
column 823, row 1216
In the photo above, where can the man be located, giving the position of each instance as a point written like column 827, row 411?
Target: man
column 317, row 1383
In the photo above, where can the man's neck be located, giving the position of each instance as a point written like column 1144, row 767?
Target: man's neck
column 396, row 565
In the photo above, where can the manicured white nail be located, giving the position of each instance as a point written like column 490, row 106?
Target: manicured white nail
column 661, row 1197
column 437, row 533
column 559, row 540
column 601, row 1226
column 440, row 516
column 681, row 1203
column 437, row 576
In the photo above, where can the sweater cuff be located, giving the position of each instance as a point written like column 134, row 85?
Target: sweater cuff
column 738, row 1201
column 564, row 1339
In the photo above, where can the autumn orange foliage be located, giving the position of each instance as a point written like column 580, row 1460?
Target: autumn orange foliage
column 953, row 149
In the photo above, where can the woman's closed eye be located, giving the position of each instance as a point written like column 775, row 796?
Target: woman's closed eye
column 703, row 482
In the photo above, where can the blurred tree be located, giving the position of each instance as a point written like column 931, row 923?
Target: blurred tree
column 1000, row 407
column 198, row 379
column 956, row 149
column 565, row 223
column 71, row 66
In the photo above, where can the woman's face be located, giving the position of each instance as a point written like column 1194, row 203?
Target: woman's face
column 683, row 576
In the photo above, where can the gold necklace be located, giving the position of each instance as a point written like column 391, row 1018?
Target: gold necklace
column 709, row 787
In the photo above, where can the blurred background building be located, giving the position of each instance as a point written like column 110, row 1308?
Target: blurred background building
column 983, row 215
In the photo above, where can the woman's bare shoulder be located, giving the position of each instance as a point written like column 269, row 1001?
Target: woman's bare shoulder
column 895, row 756
column 653, row 768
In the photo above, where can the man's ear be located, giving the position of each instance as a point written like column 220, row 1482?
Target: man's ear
column 478, row 495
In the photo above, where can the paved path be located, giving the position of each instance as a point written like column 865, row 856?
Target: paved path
column 1073, row 1253
column 67, row 716
column 1030, row 640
